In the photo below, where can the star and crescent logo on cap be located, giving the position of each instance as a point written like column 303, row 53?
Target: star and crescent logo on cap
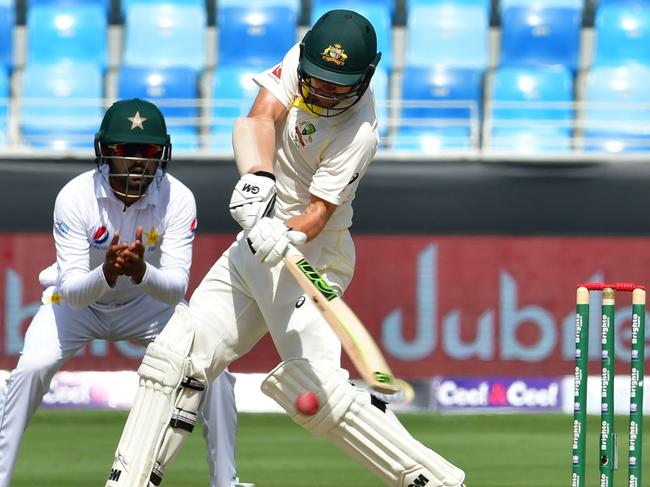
column 335, row 54
column 137, row 121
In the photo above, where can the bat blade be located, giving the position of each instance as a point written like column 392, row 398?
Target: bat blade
column 355, row 338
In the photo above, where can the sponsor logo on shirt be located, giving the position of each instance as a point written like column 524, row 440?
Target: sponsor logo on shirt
column 54, row 298
column 307, row 128
column 101, row 235
column 62, row 227
column 297, row 137
column 276, row 72
column 303, row 133
column 192, row 231
column 151, row 238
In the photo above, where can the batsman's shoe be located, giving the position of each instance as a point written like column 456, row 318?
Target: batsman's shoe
column 243, row 484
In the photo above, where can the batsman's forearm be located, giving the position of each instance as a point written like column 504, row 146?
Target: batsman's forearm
column 312, row 221
column 253, row 142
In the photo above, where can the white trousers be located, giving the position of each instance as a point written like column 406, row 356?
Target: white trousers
column 58, row 331
column 240, row 300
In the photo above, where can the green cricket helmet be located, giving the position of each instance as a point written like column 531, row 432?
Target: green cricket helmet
column 340, row 49
column 132, row 146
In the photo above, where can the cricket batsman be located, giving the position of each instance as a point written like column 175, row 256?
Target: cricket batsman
column 302, row 151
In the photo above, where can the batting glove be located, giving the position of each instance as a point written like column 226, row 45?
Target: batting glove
column 253, row 198
column 269, row 240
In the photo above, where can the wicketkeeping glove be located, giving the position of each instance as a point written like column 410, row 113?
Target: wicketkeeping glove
column 269, row 240
column 253, row 198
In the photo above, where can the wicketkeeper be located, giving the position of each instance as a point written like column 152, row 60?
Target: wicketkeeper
column 302, row 152
column 123, row 235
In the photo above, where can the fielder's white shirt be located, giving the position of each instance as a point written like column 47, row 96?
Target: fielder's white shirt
column 323, row 156
column 86, row 216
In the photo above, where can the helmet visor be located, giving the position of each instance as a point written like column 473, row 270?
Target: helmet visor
column 133, row 167
column 328, row 99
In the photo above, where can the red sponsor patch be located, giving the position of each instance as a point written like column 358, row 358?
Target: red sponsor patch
column 101, row 235
column 277, row 71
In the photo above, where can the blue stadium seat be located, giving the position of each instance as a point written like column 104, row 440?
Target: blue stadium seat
column 72, row 31
column 539, row 35
column 482, row 3
column 126, row 4
column 451, row 34
column 4, row 101
column 575, row 4
column 616, row 117
column 255, row 35
column 622, row 34
column 233, row 92
column 105, row 4
column 379, row 13
column 61, row 105
column 531, row 109
column 440, row 109
column 292, row 4
column 175, row 91
column 164, row 35
column 7, row 23
column 601, row 3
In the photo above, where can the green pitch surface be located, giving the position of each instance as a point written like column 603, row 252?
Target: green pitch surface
column 75, row 449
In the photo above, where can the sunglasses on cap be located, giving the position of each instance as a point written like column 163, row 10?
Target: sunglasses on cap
column 147, row 151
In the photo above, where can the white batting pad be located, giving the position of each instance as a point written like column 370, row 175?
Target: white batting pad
column 348, row 418
column 148, row 439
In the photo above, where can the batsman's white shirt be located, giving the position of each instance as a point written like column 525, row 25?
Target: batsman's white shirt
column 79, row 305
column 323, row 156
column 240, row 299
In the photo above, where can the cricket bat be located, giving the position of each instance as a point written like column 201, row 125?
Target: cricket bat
column 354, row 337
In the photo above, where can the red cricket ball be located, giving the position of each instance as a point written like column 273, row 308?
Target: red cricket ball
column 307, row 403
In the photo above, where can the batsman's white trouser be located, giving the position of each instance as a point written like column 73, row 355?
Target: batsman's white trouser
column 57, row 332
column 237, row 303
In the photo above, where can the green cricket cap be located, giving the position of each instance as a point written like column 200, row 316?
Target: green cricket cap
column 133, row 121
column 339, row 48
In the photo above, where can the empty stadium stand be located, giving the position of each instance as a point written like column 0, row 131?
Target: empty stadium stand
column 440, row 109
column 255, row 35
column 530, row 109
column 67, row 31
column 61, row 105
column 472, row 77
column 165, row 34
column 7, row 22
column 174, row 90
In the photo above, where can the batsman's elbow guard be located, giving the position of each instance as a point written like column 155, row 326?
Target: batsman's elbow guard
column 350, row 418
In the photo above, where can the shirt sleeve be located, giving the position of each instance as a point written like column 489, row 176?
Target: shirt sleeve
column 282, row 79
column 343, row 165
column 169, row 282
column 79, row 285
